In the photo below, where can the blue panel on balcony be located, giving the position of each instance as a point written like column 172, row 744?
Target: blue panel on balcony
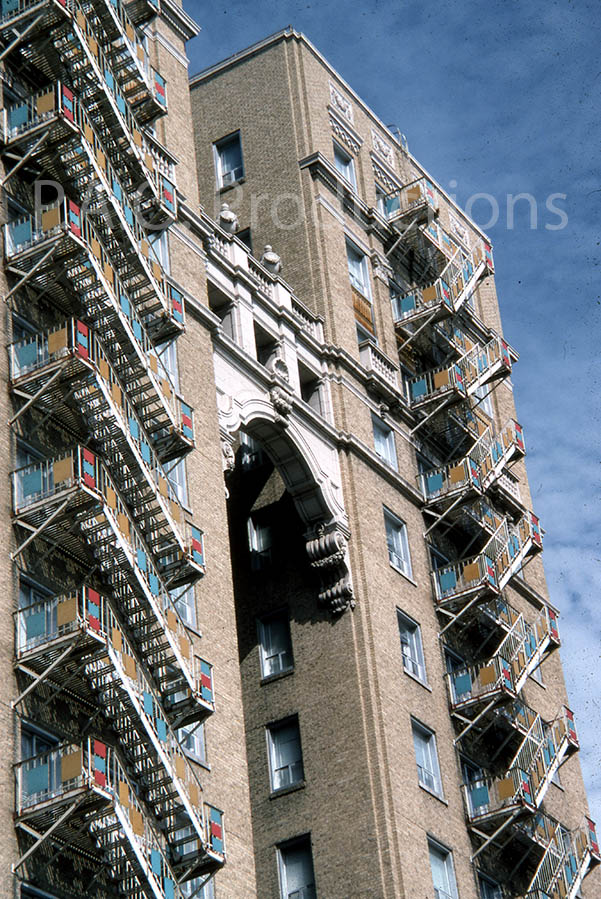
column 8, row 6
column 447, row 581
column 129, row 216
column 153, row 582
column 134, row 428
column 18, row 115
column 408, row 304
column 148, row 704
column 121, row 104
column 117, row 192
column 137, row 329
column 27, row 354
column 145, row 450
column 125, row 304
column 419, row 388
column 35, row 624
column 155, row 861
column 161, row 730
column 462, row 684
column 479, row 796
column 31, row 482
column 168, row 888
column 20, row 232
column 36, row 780
column 434, row 482
column 141, row 559
column 109, row 80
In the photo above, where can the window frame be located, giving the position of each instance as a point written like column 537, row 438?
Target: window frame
column 272, row 748
column 217, row 152
column 420, row 663
column 432, row 750
column 435, row 846
column 304, row 842
column 363, row 287
column 347, row 164
column 198, row 735
column 262, row 624
column 386, row 434
column 260, row 556
column 401, row 529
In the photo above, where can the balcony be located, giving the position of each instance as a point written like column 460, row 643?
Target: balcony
column 55, row 129
column 71, row 358
column 382, row 371
column 488, row 798
column 82, row 794
column 64, row 240
column 485, row 684
column 441, row 383
column 418, row 198
column 464, row 579
column 49, row 498
column 568, row 857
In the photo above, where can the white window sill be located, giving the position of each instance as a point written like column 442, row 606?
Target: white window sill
column 432, row 793
column 417, row 679
column 269, row 678
column 400, row 571
column 291, row 788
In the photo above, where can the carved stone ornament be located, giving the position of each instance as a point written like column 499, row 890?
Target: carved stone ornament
column 459, row 230
column 228, row 219
column 280, row 368
column 281, row 403
column 340, row 103
column 228, row 457
column 271, row 260
column 327, row 555
column 383, row 148
column 382, row 177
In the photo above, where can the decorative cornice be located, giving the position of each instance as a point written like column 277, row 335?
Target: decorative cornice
column 383, row 173
column 382, row 147
column 341, row 103
column 179, row 20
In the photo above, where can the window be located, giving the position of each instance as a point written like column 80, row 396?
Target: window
column 398, row 543
column 167, row 360
column 483, row 394
column 426, row 757
column 159, row 249
column 38, row 618
column 488, row 888
column 363, row 334
column 185, row 603
column 357, row 269
column 381, row 200
column 384, row 441
column 193, row 741
column 195, row 889
column 260, row 540
column 411, row 647
column 443, row 873
column 228, row 158
column 275, row 644
column 297, row 880
column 345, row 165
column 285, row 756
column 310, row 387
column 251, row 452
column 267, row 345
column 176, row 473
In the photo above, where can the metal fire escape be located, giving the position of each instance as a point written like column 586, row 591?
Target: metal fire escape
column 113, row 807
column 481, row 536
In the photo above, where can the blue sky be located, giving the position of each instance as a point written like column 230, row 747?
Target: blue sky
column 503, row 98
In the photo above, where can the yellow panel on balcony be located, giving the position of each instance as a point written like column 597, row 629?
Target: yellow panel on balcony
column 487, row 675
column 184, row 645
column 506, row 788
column 441, row 378
column 175, row 511
column 149, row 162
column 137, row 137
column 471, row 572
column 130, row 666
column 116, row 394
column 117, row 639
column 171, row 620
column 456, row 474
column 163, row 489
column 71, row 765
column 194, row 794
column 157, row 271
column 154, row 363
column 123, row 794
column 88, row 133
column 111, row 497
column 62, row 470
column 429, row 294
column 45, row 102
column 123, row 522
column 51, row 218
column 136, row 822
column 66, row 611
column 57, row 340
column 100, row 159
column 141, row 53
column 129, row 30
column 103, row 368
column 109, row 274
column 180, row 767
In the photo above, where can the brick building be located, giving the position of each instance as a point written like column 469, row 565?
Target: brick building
column 275, row 620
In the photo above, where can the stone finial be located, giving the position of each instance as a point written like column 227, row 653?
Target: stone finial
column 228, row 219
column 271, row 260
